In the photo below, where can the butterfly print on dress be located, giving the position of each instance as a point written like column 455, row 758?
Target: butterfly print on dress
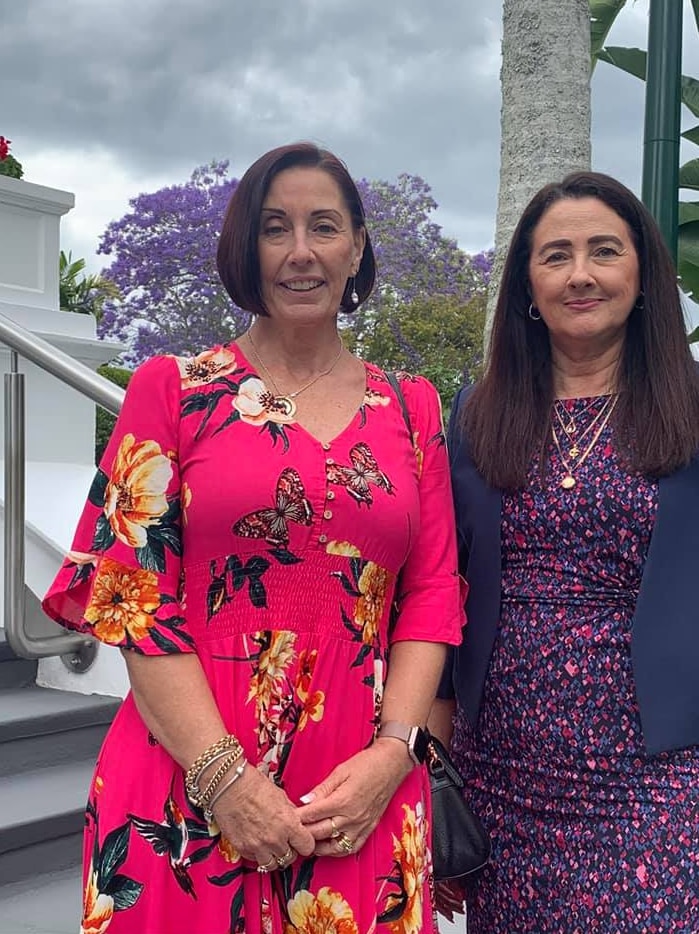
column 356, row 479
column 290, row 505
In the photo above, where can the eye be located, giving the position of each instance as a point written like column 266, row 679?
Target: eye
column 273, row 229
column 556, row 257
column 325, row 228
column 606, row 252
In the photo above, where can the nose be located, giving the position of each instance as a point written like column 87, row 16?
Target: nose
column 301, row 250
column 580, row 273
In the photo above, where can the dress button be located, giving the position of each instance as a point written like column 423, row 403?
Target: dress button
column 322, row 538
column 330, row 495
column 326, row 446
column 329, row 460
column 328, row 514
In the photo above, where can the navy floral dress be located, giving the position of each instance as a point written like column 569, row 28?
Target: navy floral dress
column 590, row 834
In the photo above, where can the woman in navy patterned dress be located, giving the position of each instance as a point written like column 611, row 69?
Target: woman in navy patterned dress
column 576, row 484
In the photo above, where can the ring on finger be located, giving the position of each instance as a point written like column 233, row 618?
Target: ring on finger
column 270, row 864
column 288, row 857
column 334, row 832
column 344, row 842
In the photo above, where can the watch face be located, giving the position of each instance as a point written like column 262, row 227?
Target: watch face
column 418, row 746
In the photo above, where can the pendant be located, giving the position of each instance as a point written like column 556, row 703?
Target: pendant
column 284, row 405
column 574, row 452
column 568, row 482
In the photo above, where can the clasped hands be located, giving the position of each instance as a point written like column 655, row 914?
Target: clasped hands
column 336, row 818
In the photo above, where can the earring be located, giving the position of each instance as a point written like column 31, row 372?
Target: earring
column 640, row 302
column 530, row 312
column 354, row 298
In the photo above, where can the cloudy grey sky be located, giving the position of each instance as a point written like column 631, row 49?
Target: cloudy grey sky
column 110, row 98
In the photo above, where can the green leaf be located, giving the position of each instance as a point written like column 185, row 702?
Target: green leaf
column 690, row 94
column 689, row 174
column 104, row 536
column 692, row 135
column 98, row 488
column 632, row 61
column 164, row 644
column 124, row 891
column 695, row 8
column 693, row 337
column 258, row 594
column 688, row 212
column 688, row 264
column 602, row 16
column 113, row 854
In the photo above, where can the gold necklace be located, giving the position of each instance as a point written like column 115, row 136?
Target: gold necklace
column 570, row 425
column 286, row 399
column 570, row 428
column 569, row 481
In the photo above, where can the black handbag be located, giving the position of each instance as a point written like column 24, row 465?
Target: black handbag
column 460, row 842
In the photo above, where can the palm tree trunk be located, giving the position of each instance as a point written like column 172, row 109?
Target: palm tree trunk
column 545, row 117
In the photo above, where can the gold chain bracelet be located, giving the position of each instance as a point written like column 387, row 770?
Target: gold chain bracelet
column 227, row 744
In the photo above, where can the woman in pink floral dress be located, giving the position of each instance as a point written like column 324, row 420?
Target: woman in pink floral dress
column 259, row 509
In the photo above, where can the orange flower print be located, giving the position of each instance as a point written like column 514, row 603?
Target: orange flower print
column 256, row 404
column 324, row 913
column 81, row 558
column 345, row 549
column 307, row 664
column 135, row 495
column 410, row 855
column 374, row 398
column 313, row 708
column 97, row 908
column 227, row 850
column 123, row 601
column 185, row 500
column 206, row 366
column 276, row 655
column 368, row 611
column 419, row 453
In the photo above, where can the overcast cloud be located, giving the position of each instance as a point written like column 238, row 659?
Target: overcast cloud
column 109, row 98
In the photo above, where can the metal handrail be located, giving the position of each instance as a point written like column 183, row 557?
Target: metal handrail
column 79, row 650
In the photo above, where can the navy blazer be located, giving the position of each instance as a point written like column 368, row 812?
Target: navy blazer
column 665, row 627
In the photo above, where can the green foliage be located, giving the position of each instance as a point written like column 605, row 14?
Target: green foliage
column 11, row 167
column 80, row 293
column 447, row 333
column 634, row 62
column 105, row 420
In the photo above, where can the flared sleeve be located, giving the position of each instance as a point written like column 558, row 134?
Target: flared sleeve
column 120, row 581
column 430, row 595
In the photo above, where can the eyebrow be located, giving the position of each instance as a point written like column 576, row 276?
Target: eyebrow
column 321, row 212
column 592, row 241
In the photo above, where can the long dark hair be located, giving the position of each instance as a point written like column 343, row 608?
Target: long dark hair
column 507, row 416
column 237, row 257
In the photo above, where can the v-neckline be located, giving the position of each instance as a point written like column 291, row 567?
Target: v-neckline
column 325, row 445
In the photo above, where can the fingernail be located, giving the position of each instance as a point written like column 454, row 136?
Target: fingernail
column 306, row 799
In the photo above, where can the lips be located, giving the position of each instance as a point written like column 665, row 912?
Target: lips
column 584, row 304
column 302, row 285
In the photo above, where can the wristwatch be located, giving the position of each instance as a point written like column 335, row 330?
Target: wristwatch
column 414, row 737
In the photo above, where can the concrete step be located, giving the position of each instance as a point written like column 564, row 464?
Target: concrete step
column 46, row 904
column 14, row 671
column 42, row 815
column 41, row 726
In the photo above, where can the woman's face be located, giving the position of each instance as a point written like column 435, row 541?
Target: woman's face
column 583, row 275
column 307, row 247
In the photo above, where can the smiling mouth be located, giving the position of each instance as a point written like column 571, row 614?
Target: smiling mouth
column 307, row 285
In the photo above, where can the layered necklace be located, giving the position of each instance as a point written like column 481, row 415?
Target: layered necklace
column 565, row 429
column 285, row 400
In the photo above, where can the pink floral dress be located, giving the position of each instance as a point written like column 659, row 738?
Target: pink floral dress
column 218, row 525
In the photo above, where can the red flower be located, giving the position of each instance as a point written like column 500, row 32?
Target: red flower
column 4, row 148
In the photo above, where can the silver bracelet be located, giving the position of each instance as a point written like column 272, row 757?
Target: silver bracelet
column 237, row 772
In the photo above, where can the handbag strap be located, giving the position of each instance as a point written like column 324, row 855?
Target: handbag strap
column 395, row 386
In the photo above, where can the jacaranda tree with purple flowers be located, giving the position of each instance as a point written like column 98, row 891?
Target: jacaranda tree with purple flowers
column 163, row 262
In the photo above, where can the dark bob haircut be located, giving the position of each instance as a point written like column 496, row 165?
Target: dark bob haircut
column 237, row 257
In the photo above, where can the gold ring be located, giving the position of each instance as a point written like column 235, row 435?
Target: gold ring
column 288, row 857
column 344, row 842
column 265, row 867
column 334, row 832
